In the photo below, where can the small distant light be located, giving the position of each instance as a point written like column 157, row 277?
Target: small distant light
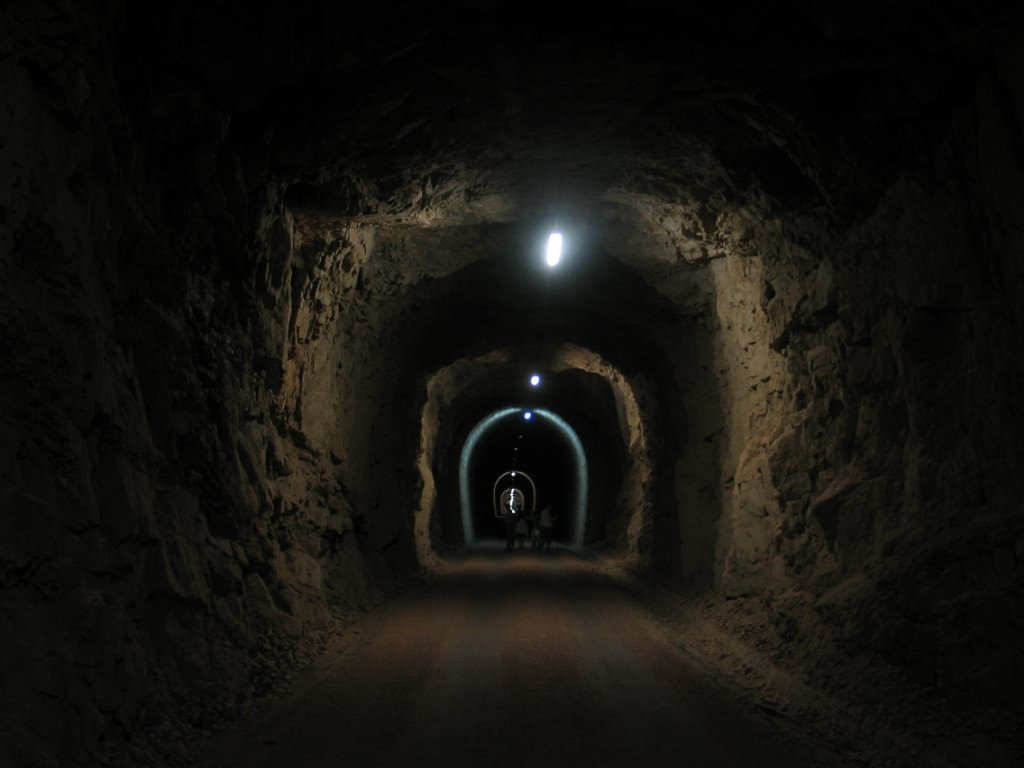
column 534, row 380
column 528, row 415
column 554, row 249
column 513, row 474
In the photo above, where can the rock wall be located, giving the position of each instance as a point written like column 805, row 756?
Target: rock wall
column 172, row 532
column 869, row 374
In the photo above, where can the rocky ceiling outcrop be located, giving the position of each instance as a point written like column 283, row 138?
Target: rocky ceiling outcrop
column 484, row 112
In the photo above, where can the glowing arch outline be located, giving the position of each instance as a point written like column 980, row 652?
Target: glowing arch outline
column 567, row 432
column 513, row 473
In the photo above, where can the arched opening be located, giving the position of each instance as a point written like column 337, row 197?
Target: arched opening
column 607, row 409
column 546, row 446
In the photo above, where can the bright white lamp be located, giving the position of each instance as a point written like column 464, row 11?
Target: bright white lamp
column 554, row 249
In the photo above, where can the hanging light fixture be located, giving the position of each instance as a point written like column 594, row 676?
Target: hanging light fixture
column 554, row 254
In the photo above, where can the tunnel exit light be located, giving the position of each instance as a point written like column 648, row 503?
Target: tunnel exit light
column 534, row 380
column 576, row 506
column 528, row 415
column 554, row 249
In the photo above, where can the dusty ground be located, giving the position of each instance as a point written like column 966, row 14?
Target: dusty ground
column 868, row 712
column 523, row 659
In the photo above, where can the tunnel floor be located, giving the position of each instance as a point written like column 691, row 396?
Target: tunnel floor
column 537, row 659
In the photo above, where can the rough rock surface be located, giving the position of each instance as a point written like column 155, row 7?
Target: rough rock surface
column 169, row 536
column 235, row 251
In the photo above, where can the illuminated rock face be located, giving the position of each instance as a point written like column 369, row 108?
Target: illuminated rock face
column 256, row 290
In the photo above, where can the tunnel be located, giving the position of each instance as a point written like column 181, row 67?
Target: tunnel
column 544, row 452
column 274, row 286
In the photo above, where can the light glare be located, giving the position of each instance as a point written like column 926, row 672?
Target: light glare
column 534, row 380
column 554, row 249
column 527, row 415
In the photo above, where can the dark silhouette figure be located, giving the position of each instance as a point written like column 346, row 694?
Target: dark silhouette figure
column 546, row 522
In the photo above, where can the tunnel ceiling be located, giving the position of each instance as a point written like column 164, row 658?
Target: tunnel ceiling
column 484, row 112
column 500, row 379
column 498, row 302
column 447, row 142
column 659, row 138
column 440, row 145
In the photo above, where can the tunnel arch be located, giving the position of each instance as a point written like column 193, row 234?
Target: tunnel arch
column 463, row 392
column 563, row 428
column 429, row 294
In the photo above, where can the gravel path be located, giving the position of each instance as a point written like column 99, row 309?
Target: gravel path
column 508, row 660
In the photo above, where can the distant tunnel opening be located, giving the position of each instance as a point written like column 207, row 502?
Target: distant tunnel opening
column 586, row 445
column 547, row 448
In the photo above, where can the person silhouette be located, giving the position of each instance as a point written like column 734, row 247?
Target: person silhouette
column 546, row 522
column 522, row 529
column 512, row 516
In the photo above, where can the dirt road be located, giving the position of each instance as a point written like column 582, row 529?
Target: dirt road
column 510, row 660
